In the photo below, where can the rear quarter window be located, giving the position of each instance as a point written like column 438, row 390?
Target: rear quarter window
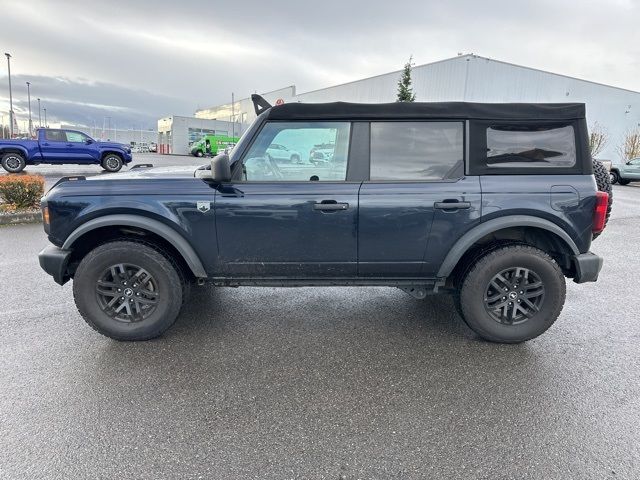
column 530, row 146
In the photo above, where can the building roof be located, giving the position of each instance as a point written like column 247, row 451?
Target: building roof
column 421, row 110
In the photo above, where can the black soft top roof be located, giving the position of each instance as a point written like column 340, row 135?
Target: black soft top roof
column 422, row 110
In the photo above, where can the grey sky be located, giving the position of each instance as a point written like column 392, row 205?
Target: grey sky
column 137, row 61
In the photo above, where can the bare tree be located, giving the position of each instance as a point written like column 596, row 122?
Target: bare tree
column 630, row 147
column 598, row 139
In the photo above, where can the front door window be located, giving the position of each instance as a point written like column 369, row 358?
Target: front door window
column 298, row 152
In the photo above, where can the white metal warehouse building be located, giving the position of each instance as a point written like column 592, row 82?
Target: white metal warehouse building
column 469, row 78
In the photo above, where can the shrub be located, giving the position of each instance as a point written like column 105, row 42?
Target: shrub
column 21, row 191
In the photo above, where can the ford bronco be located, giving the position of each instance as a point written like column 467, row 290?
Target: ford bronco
column 493, row 203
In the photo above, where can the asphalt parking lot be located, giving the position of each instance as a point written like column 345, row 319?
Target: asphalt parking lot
column 320, row 382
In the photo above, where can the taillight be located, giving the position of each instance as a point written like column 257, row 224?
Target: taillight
column 600, row 212
column 45, row 215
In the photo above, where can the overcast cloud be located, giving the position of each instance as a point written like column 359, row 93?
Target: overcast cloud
column 137, row 61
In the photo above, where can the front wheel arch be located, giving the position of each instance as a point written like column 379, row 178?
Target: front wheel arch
column 136, row 225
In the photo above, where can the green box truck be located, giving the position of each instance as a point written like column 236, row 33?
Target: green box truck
column 212, row 145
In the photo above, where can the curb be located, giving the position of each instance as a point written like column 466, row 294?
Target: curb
column 20, row 217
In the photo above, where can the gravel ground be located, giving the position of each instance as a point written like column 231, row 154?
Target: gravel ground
column 321, row 383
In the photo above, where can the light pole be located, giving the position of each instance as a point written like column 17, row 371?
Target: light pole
column 29, row 99
column 10, row 94
column 45, row 117
column 39, row 115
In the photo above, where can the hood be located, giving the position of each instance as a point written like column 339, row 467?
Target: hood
column 114, row 144
column 181, row 171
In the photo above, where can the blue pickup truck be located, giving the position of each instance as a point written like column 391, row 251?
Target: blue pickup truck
column 493, row 203
column 57, row 147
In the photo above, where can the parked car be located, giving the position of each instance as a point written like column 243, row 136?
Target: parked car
column 626, row 172
column 322, row 152
column 59, row 147
column 494, row 204
column 211, row 145
column 283, row 154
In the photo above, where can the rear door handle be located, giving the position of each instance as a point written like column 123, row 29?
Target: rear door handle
column 452, row 205
column 330, row 206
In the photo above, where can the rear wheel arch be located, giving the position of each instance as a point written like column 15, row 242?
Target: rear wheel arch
column 516, row 229
column 147, row 230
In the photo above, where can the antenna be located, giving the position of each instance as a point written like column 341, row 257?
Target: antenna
column 259, row 104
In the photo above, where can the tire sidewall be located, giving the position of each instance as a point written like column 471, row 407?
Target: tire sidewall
column 167, row 279
column 477, row 281
column 18, row 156
column 105, row 164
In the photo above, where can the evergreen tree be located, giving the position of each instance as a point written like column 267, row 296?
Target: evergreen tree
column 405, row 91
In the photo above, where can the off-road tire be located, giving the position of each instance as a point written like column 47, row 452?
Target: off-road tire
column 603, row 180
column 170, row 290
column 477, row 280
column 623, row 182
column 13, row 162
column 112, row 163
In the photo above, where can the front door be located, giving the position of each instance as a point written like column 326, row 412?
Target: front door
column 278, row 219
column 78, row 148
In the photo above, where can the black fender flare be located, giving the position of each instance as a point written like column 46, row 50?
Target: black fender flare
column 169, row 234
column 472, row 236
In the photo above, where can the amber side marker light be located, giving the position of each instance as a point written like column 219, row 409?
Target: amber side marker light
column 600, row 212
column 45, row 215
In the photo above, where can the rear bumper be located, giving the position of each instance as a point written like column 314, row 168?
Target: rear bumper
column 588, row 266
column 54, row 261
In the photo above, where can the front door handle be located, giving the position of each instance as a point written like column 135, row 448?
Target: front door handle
column 330, row 206
column 452, row 205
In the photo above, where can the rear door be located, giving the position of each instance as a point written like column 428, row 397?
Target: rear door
column 417, row 201
column 277, row 219
column 54, row 146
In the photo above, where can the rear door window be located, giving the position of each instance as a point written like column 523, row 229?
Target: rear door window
column 55, row 135
column 530, row 146
column 417, row 151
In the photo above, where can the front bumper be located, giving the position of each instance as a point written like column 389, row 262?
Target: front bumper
column 588, row 266
column 54, row 261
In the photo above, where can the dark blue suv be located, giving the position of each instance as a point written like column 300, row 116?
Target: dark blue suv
column 493, row 203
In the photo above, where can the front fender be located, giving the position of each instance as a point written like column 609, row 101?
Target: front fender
column 171, row 235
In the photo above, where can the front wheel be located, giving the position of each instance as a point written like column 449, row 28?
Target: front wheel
column 199, row 153
column 112, row 163
column 13, row 162
column 512, row 294
column 128, row 291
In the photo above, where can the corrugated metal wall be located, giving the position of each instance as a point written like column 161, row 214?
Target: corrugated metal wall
column 477, row 79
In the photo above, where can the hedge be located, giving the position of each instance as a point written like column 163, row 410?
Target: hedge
column 21, row 191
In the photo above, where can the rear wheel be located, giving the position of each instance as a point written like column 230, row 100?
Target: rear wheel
column 623, row 182
column 112, row 163
column 613, row 175
column 13, row 162
column 512, row 294
column 128, row 291
column 603, row 180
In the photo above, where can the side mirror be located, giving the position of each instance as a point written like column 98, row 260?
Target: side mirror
column 88, row 141
column 221, row 168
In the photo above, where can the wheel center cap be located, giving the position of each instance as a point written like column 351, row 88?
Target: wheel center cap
column 128, row 292
column 513, row 295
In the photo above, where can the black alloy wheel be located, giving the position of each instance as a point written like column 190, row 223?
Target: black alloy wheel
column 127, row 293
column 514, row 295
